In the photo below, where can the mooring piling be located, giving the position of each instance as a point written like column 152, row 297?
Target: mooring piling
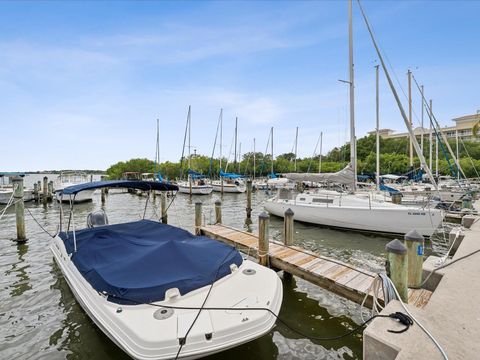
column 35, row 192
column 288, row 227
column 249, row 198
column 45, row 189
column 415, row 244
column 19, row 208
column 198, row 217
column 263, row 243
column 163, row 207
column 398, row 263
column 218, row 211
column 50, row 190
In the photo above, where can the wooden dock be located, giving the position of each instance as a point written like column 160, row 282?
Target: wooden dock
column 336, row 276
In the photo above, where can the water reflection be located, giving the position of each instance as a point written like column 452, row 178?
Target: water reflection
column 20, row 268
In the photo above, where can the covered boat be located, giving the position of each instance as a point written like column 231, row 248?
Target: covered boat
column 160, row 292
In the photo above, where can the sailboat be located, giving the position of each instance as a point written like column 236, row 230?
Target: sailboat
column 159, row 292
column 230, row 182
column 195, row 183
column 351, row 210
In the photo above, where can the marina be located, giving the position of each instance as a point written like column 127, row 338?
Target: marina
column 255, row 247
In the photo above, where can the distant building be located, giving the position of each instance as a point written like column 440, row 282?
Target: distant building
column 463, row 125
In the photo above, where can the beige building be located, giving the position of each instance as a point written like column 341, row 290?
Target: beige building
column 463, row 125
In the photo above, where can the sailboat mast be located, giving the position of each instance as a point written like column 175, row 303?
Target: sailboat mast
column 430, row 137
column 353, row 148
column 221, row 136
column 239, row 156
column 409, row 74
column 235, row 154
column 320, row 157
column 456, row 143
column 271, row 137
column 157, row 150
column 377, row 112
column 421, row 134
column 296, row 143
column 189, row 132
column 254, row 155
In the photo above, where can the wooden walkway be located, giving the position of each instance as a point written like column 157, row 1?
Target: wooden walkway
column 338, row 277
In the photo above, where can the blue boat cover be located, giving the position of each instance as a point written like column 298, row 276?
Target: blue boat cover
column 230, row 175
column 138, row 262
column 132, row 184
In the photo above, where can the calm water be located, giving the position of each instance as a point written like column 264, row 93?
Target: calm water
column 40, row 319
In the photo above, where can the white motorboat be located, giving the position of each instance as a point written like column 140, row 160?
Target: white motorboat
column 229, row 186
column 6, row 190
column 351, row 211
column 158, row 291
column 71, row 178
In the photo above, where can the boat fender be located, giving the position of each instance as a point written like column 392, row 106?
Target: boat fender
column 233, row 268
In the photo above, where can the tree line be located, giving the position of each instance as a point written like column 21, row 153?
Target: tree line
column 394, row 159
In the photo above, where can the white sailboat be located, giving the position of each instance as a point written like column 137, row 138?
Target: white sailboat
column 352, row 211
column 229, row 182
column 195, row 183
column 159, row 292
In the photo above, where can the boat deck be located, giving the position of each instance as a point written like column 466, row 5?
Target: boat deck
column 336, row 276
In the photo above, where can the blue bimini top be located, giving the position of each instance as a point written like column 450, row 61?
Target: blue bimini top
column 138, row 262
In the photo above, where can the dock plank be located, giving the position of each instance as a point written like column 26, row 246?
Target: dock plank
column 338, row 277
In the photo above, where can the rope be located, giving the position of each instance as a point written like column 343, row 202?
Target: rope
column 33, row 217
column 10, row 202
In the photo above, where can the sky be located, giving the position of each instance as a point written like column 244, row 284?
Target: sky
column 82, row 83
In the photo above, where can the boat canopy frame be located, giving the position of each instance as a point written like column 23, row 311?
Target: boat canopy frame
column 72, row 192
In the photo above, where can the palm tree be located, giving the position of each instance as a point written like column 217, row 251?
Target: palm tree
column 476, row 127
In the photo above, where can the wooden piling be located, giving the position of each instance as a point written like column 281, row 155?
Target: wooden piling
column 415, row 244
column 163, row 207
column 198, row 217
column 45, row 189
column 50, row 190
column 398, row 263
column 263, row 243
column 36, row 193
column 288, row 227
column 218, row 211
column 19, row 208
column 249, row 198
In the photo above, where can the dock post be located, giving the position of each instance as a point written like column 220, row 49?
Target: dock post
column 249, row 198
column 288, row 227
column 415, row 244
column 263, row 239
column 198, row 217
column 398, row 262
column 45, row 189
column 218, row 211
column 19, row 208
column 50, row 190
column 35, row 192
column 163, row 207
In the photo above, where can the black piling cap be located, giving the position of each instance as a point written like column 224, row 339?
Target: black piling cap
column 218, row 202
column 263, row 215
column 413, row 235
column 289, row 212
column 396, row 247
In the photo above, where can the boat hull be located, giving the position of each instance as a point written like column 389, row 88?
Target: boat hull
column 142, row 336
column 82, row 196
column 5, row 195
column 196, row 189
column 229, row 188
column 379, row 220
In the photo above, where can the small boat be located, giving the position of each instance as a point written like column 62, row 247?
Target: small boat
column 159, row 292
column 196, row 184
column 229, row 185
column 6, row 189
column 71, row 178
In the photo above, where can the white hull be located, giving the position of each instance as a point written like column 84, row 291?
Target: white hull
column 196, row 189
column 229, row 188
column 6, row 194
column 140, row 335
column 388, row 218
column 82, row 196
